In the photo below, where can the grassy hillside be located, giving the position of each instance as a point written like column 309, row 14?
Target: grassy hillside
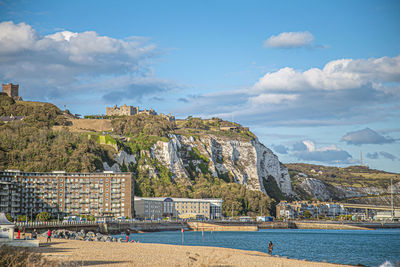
column 43, row 142
column 32, row 145
column 354, row 176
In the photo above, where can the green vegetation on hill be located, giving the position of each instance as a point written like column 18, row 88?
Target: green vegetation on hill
column 354, row 176
column 37, row 114
column 31, row 144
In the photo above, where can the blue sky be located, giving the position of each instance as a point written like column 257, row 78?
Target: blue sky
column 317, row 81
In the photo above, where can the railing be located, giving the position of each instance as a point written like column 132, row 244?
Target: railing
column 38, row 224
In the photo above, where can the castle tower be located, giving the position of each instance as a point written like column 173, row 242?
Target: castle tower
column 11, row 90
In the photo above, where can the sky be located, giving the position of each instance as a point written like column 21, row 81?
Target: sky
column 317, row 81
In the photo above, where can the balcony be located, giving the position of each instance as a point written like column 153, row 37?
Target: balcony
column 114, row 196
column 114, row 186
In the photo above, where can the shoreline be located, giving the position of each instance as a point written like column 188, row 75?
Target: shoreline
column 151, row 254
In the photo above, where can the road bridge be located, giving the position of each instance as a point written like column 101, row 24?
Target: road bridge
column 369, row 207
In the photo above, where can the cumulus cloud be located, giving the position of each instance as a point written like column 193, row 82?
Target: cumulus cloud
column 281, row 149
column 387, row 155
column 374, row 155
column 65, row 63
column 308, row 151
column 344, row 91
column 383, row 154
column 339, row 74
column 289, row 40
column 365, row 136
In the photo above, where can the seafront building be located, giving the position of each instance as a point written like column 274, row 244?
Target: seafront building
column 98, row 194
column 292, row 210
column 184, row 208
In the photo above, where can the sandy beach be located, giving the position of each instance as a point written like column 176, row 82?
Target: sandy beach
column 83, row 253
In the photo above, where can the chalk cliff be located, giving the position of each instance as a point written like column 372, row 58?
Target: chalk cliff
column 249, row 162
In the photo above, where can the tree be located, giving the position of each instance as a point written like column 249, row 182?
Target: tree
column 43, row 216
column 21, row 218
column 9, row 217
column 307, row 214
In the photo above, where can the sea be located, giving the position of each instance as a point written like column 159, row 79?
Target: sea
column 379, row 247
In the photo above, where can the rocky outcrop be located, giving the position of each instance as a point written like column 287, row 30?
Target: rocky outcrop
column 315, row 188
column 249, row 162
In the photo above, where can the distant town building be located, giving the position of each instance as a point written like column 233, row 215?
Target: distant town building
column 6, row 119
column 97, row 194
column 292, row 210
column 12, row 90
column 131, row 110
column 159, row 207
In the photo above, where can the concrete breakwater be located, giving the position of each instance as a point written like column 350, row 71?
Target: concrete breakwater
column 137, row 227
column 201, row 226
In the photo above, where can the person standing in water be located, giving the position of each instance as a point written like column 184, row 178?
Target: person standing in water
column 270, row 246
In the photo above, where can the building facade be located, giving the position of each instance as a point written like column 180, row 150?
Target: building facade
column 11, row 90
column 160, row 207
column 292, row 210
column 127, row 111
column 97, row 194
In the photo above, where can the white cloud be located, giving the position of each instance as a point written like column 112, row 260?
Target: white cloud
column 65, row 63
column 308, row 151
column 289, row 40
column 272, row 98
column 366, row 136
column 335, row 75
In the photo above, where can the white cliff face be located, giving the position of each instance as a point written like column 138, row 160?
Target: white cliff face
column 249, row 162
column 115, row 167
column 167, row 154
column 315, row 188
column 269, row 165
column 124, row 158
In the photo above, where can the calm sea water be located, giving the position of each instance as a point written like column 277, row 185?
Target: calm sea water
column 371, row 248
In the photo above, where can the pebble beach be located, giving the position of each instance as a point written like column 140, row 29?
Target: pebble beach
column 84, row 253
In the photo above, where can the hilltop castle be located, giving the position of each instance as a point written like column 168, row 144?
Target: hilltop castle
column 131, row 110
column 12, row 91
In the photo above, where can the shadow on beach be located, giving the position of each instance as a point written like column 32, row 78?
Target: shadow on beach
column 92, row 263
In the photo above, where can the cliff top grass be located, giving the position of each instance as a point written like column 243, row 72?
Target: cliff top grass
column 215, row 126
column 355, row 176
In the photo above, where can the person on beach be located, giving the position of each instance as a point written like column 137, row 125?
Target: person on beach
column 270, row 246
column 49, row 235
column 127, row 236
column 19, row 234
column 34, row 234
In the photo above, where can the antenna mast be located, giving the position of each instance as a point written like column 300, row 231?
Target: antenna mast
column 361, row 158
column 391, row 187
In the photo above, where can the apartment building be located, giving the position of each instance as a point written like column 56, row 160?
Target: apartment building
column 98, row 194
column 159, row 207
column 291, row 210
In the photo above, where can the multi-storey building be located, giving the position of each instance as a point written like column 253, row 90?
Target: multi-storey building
column 297, row 208
column 159, row 207
column 98, row 194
